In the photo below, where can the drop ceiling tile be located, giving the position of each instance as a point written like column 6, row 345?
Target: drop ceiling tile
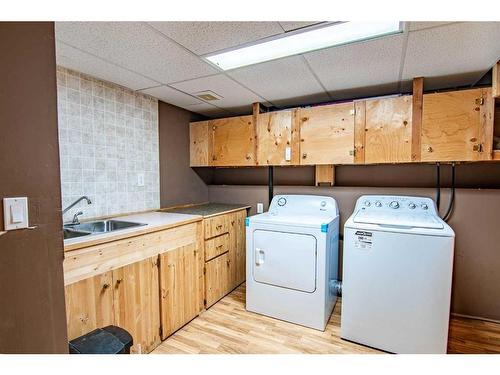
column 420, row 25
column 75, row 59
column 233, row 94
column 206, row 37
column 452, row 50
column 171, row 96
column 208, row 110
column 363, row 64
column 135, row 46
column 293, row 25
column 286, row 81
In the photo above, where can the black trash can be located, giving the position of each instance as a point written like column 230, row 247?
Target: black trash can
column 107, row 340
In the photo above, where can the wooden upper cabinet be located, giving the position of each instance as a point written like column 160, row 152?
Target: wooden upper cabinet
column 199, row 147
column 457, row 126
column 275, row 133
column 327, row 134
column 233, row 141
column 388, row 130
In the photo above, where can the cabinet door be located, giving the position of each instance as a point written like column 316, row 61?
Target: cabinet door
column 276, row 133
column 179, row 270
column 89, row 305
column 327, row 134
column 388, row 130
column 217, row 279
column 240, row 247
column 233, row 141
column 456, row 126
column 136, row 303
column 199, row 144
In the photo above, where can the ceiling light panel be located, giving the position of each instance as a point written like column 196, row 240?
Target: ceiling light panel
column 304, row 41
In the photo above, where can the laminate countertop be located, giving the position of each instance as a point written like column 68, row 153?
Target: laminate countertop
column 154, row 221
column 207, row 209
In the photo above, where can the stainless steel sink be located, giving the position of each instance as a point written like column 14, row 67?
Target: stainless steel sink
column 69, row 233
column 97, row 227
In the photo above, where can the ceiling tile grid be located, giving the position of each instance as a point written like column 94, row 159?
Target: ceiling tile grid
column 452, row 49
column 206, row 37
column 165, row 60
column 286, row 81
column 135, row 46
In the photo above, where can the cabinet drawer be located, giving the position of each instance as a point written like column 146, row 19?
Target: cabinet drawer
column 216, row 226
column 216, row 246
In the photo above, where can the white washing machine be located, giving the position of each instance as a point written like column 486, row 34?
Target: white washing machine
column 397, row 270
column 292, row 260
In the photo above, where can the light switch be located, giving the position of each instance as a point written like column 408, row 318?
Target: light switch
column 15, row 213
column 140, row 179
column 288, row 153
column 260, row 208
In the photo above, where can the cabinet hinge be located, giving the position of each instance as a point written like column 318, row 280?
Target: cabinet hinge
column 204, row 270
column 479, row 101
column 204, row 302
column 478, row 147
column 161, row 331
column 352, row 152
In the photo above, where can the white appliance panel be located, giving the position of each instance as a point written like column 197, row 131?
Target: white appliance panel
column 286, row 260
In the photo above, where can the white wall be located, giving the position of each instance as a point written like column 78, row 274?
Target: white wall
column 108, row 135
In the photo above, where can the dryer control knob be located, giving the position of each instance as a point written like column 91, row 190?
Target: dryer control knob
column 367, row 203
column 412, row 206
column 394, row 204
column 281, row 202
column 424, row 206
column 378, row 204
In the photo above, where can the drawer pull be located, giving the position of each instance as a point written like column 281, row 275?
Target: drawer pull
column 218, row 227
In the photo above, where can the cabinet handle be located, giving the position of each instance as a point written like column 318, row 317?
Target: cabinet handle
column 118, row 282
column 248, row 157
column 218, row 227
column 429, row 149
column 105, row 286
column 219, row 247
column 228, row 261
column 304, row 155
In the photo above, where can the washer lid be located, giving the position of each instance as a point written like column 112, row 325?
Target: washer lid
column 398, row 219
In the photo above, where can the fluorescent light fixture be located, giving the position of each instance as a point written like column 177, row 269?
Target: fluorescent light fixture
column 304, row 41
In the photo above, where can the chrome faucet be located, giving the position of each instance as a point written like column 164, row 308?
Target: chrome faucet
column 75, row 218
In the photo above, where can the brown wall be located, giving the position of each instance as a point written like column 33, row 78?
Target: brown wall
column 475, row 220
column 32, row 313
column 179, row 184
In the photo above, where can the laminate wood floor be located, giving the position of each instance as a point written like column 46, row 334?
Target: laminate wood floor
column 228, row 328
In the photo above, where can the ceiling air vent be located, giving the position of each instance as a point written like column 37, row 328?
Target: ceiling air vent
column 207, row 95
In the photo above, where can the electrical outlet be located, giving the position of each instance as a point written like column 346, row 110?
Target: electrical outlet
column 140, row 179
column 260, row 208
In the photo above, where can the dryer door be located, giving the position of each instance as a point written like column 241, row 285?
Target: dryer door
column 286, row 260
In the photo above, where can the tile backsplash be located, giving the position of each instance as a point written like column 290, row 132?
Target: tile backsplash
column 108, row 142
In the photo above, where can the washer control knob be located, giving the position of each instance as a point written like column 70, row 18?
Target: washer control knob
column 281, row 202
column 378, row 204
column 367, row 203
column 412, row 206
column 394, row 204
column 323, row 203
column 424, row 206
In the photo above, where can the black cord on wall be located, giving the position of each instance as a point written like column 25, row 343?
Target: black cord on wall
column 270, row 183
column 438, row 185
column 449, row 211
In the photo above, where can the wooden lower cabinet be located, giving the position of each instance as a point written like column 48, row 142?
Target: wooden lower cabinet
column 179, row 286
column 217, row 279
column 136, row 303
column 126, row 297
column 240, row 232
column 89, row 305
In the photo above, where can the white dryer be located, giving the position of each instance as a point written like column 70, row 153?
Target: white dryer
column 397, row 271
column 292, row 259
